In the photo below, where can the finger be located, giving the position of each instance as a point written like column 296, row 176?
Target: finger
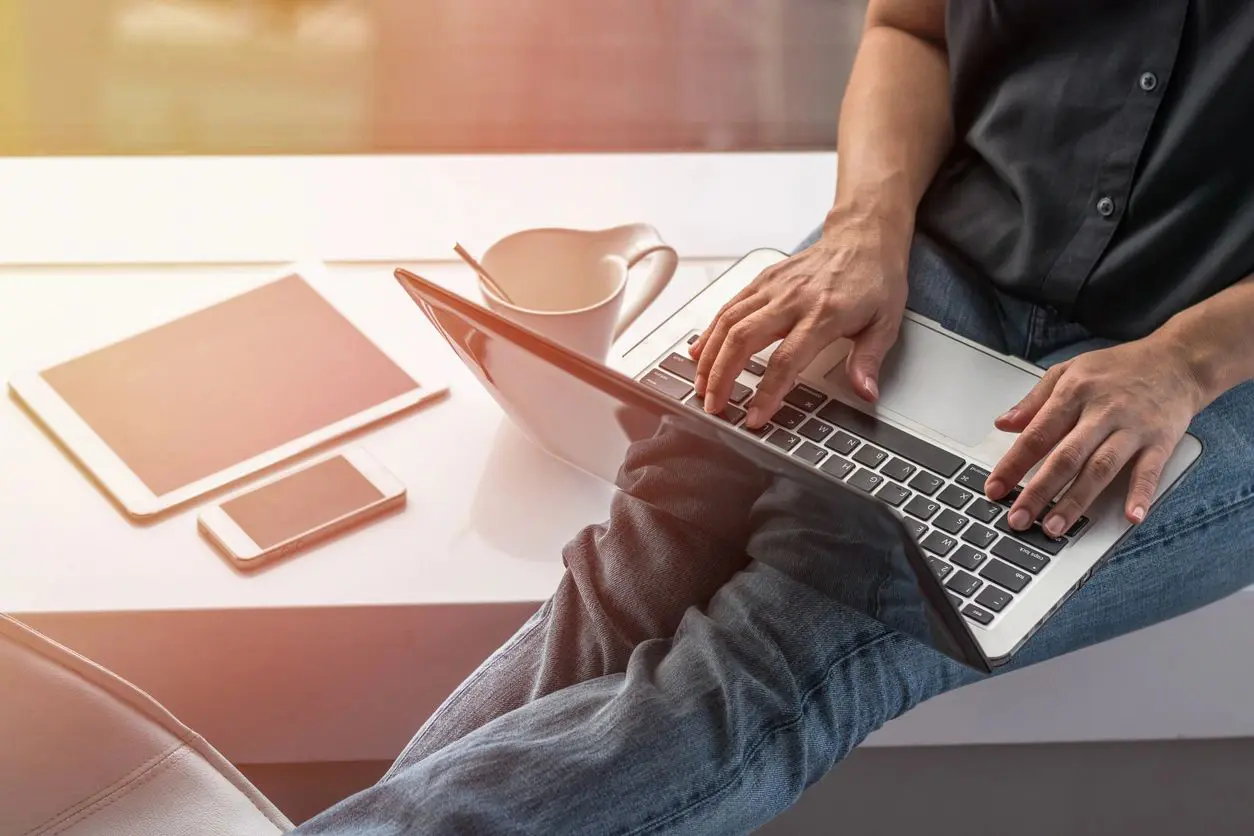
column 696, row 348
column 796, row 352
column 1146, row 473
column 1018, row 416
column 867, row 356
column 751, row 334
column 720, row 329
column 1102, row 466
column 1051, row 425
column 1065, row 462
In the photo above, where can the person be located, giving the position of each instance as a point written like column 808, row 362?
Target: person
column 1060, row 180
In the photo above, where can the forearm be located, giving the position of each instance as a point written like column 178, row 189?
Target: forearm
column 1216, row 339
column 895, row 122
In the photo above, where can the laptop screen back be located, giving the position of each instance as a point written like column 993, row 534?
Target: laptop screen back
column 692, row 475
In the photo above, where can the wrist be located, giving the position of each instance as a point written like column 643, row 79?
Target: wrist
column 1200, row 359
column 875, row 224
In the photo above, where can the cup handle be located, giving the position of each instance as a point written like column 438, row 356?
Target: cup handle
column 640, row 242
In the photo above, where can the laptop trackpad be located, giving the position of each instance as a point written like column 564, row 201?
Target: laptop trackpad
column 945, row 385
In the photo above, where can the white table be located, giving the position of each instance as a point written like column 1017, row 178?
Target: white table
column 341, row 653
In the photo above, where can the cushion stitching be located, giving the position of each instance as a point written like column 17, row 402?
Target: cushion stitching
column 104, row 799
column 101, row 794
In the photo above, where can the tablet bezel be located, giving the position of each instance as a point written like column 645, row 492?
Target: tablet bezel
column 123, row 485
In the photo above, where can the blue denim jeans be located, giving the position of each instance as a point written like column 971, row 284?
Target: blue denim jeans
column 674, row 685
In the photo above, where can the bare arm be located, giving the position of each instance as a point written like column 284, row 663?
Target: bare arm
column 1216, row 340
column 895, row 129
column 895, row 123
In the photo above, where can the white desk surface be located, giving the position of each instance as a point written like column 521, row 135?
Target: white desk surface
column 341, row 653
column 487, row 514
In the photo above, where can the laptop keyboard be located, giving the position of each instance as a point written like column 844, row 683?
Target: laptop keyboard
column 984, row 565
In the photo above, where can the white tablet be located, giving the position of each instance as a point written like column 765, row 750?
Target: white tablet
column 185, row 408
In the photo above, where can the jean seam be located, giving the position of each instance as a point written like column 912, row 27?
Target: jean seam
column 765, row 737
column 504, row 652
column 1195, row 524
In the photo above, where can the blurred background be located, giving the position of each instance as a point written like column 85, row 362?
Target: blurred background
column 88, row 77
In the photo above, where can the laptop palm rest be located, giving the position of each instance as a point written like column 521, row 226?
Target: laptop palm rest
column 940, row 383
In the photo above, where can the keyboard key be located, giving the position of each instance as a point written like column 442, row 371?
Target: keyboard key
column 671, row 387
column 816, row 430
column 939, row 567
column 898, row 469
column 836, row 466
column 926, row 483
column 1009, row 499
column 964, row 584
column 693, row 339
column 843, row 443
column 1034, row 536
column 950, row 521
column 974, row 613
column 730, row 414
column 755, row 367
column 980, row 536
column 739, row 392
column 893, row 494
column 939, row 543
column 967, row 558
column 762, row 431
column 788, row 418
column 955, row 497
column 983, row 510
column 955, row 600
column 678, row 364
column 783, row 439
column 921, row 507
column 870, row 456
column 1005, row 575
column 973, row 479
column 805, row 398
column 890, row 438
column 993, row 598
column 1078, row 526
column 811, row 453
column 866, row 480
column 1020, row 555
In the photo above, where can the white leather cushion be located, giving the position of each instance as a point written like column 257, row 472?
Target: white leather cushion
column 84, row 752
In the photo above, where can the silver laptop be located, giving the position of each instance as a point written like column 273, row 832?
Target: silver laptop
column 920, row 456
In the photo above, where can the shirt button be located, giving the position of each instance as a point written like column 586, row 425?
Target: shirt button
column 1105, row 207
column 1148, row 82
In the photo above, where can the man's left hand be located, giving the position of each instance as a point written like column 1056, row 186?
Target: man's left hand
column 1097, row 413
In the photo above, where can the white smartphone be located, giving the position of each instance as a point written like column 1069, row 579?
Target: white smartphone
column 295, row 509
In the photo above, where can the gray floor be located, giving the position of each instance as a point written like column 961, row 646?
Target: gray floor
column 1192, row 787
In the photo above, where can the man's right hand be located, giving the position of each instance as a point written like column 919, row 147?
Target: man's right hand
column 851, row 283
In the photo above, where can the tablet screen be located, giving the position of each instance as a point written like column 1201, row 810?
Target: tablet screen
column 206, row 392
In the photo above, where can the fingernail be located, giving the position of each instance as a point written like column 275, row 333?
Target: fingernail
column 709, row 402
column 1138, row 514
column 1019, row 519
column 754, row 418
column 699, row 384
column 1054, row 526
column 872, row 388
column 1009, row 414
column 994, row 488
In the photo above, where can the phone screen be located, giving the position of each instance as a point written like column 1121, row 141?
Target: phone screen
column 302, row 502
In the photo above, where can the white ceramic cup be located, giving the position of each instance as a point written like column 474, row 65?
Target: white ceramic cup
column 570, row 285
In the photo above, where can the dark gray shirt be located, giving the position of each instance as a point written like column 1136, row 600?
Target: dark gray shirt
column 1104, row 163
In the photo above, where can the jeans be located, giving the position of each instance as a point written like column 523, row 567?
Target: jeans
column 674, row 684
